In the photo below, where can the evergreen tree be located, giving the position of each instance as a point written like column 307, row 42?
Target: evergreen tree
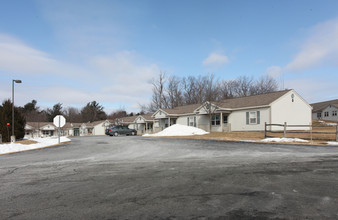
column 51, row 113
column 6, row 117
column 93, row 111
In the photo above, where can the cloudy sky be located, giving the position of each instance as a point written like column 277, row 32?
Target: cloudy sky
column 77, row 51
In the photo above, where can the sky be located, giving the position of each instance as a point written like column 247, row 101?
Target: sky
column 77, row 51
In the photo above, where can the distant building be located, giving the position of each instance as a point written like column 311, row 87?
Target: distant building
column 325, row 110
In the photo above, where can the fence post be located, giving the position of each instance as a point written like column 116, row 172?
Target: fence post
column 337, row 133
column 284, row 130
column 0, row 138
column 264, row 130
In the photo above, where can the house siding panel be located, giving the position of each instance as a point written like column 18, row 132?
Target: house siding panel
column 293, row 111
column 239, row 122
column 330, row 117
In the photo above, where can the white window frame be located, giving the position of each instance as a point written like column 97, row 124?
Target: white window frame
column 253, row 118
column 191, row 121
column 216, row 120
column 334, row 113
column 326, row 114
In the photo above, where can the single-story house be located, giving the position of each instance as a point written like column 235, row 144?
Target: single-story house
column 141, row 123
column 183, row 115
column 325, row 110
column 44, row 129
column 144, row 123
column 240, row 114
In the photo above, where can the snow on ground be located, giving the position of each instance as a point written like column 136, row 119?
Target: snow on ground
column 42, row 142
column 283, row 140
column 178, row 130
column 332, row 143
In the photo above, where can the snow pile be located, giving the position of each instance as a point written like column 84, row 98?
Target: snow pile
column 285, row 140
column 332, row 143
column 42, row 142
column 178, row 130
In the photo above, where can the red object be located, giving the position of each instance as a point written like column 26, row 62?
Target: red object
column 8, row 124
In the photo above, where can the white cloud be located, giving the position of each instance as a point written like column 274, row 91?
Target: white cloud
column 321, row 47
column 274, row 71
column 118, row 79
column 215, row 60
column 16, row 56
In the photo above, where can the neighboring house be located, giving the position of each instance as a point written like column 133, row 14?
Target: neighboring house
column 325, row 110
column 141, row 123
column 99, row 127
column 127, row 121
column 39, row 129
column 183, row 115
column 144, row 123
column 48, row 129
column 45, row 129
column 241, row 114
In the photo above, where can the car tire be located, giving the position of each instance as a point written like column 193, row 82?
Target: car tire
column 116, row 134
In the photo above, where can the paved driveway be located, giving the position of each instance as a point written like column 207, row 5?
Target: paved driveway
column 148, row 178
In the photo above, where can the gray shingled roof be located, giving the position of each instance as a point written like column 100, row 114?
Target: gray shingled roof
column 319, row 106
column 186, row 109
column 251, row 101
column 129, row 119
column 147, row 116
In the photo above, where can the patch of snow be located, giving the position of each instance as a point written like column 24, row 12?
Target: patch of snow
column 284, row 140
column 332, row 143
column 178, row 130
column 42, row 142
column 331, row 124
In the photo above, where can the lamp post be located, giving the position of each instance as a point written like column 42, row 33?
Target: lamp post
column 16, row 81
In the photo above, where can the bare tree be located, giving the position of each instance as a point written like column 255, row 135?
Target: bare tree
column 174, row 93
column 158, row 98
column 244, row 86
column 73, row 115
column 265, row 84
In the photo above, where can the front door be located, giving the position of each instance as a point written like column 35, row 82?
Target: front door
column 76, row 132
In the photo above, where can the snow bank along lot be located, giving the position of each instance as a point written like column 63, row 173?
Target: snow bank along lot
column 178, row 130
column 41, row 143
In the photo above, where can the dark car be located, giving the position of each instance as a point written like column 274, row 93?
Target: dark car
column 120, row 130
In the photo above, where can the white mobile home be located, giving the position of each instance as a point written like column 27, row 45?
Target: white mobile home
column 241, row 114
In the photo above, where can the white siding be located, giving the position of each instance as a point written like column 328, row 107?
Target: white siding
column 237, row 119
column 182, row 120
column 160, row 114
column 203, row 122
column 330, row 109
column 296, row 112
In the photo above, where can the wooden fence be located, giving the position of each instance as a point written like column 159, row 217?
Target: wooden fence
column 315, row 132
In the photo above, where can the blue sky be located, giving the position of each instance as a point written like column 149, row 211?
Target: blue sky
column 75, row 52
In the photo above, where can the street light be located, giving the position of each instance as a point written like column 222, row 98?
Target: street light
column 16, row 81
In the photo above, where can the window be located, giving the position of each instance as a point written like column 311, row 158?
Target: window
column 334, row 113
column 225, row 119
column 215, row 120
column 319, row 115
column 191, row 121
column 326, row 114
column 253, row 118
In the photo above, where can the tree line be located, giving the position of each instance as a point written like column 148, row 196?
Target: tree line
column 92, row 111
column 173, row 91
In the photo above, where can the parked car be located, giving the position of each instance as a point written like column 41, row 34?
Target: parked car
column 120, row 130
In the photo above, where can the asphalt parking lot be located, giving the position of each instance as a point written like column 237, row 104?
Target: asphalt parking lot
column 153, row 178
